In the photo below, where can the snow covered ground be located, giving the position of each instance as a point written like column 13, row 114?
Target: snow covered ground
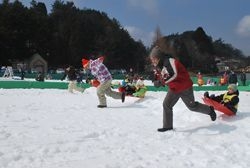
column 50, row 128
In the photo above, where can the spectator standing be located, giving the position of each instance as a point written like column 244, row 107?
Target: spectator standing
column 232, row 78
column 200, row 80
column 243, row 78
column 40, row 77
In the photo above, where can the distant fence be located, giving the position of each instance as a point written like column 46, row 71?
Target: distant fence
column 63, row 85
column 56, row 76
column 18, row 84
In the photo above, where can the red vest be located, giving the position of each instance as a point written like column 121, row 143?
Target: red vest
column 182, row 81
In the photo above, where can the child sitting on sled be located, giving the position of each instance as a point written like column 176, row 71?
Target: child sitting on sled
column 127, row 86
column 230, row 99
column 140, row 88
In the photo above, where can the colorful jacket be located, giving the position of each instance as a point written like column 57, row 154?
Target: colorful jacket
column 99, row 70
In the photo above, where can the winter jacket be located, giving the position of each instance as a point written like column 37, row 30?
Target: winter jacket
column 99, row 70
column 223, row 80
column 232, row 78
column 175, row 74
column 71, row 73
column 229, row 100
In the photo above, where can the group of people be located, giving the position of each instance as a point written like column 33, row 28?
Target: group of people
column 167, row 71
column 133, row 86
column 225, row 79
column 228, row 78
column 231, row 77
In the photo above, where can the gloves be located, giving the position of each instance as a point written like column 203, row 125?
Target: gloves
column 206, row 94
column 212, row 96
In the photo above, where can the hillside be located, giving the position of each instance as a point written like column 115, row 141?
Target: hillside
column 198, row 51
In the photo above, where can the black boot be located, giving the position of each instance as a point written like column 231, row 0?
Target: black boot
column 212, row 113
column 102, row 106
column 206, row 94
column 164, row 129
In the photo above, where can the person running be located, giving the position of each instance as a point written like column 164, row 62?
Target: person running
column 71, row 73
column 101, row 73
column 175, row 75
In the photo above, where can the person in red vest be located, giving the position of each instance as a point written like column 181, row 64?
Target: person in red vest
column 180, row 85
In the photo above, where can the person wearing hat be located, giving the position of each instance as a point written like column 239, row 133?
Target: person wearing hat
column 101, row 73
column 169, row 71
column 230, row 99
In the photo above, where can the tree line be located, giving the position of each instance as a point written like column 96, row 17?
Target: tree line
column 65, row 35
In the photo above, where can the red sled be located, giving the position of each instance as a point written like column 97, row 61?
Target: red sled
column 217, row 106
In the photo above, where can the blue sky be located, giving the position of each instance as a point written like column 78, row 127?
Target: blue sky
column 225, row 19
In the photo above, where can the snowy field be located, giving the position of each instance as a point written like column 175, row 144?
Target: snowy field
column 50, row 128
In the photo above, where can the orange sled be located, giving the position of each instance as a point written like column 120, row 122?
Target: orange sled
column 217, row 106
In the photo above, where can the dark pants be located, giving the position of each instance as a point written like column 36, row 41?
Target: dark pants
column 243, row 82
column 187, row 97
